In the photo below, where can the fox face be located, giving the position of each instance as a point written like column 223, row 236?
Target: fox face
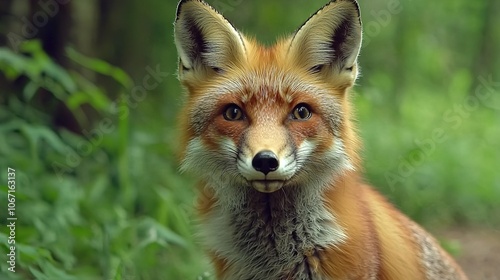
column 269, row 131
column 268, row 118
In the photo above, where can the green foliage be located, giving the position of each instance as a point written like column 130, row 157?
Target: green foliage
column 437, row 159
column 111, row 205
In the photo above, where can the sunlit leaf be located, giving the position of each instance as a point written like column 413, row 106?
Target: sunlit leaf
column 100, row 66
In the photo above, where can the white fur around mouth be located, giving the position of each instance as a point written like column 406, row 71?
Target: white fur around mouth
column 267, row 186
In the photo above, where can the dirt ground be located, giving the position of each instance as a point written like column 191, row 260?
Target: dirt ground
column 480, row 252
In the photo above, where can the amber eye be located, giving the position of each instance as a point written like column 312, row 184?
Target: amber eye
column 301, row 112
column 233, row 113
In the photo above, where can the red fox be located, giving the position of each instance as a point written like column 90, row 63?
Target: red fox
column 269, row 133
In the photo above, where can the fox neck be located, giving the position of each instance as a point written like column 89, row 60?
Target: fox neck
column 266, row 233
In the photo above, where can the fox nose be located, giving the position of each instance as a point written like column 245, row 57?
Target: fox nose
column 265, row 162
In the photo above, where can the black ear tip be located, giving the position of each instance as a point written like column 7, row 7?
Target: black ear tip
column 179, row 7
column 357, row 9
column 354, row 2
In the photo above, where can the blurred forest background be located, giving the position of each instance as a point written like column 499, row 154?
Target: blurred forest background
column 88, row 105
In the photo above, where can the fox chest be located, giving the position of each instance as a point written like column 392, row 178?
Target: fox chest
column 269, row 239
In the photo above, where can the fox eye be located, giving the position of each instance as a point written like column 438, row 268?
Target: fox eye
column 301, row 112
column 233, row 113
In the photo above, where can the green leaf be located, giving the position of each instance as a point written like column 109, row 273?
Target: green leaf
column 39, row 68
column 38, row 274
column 55, row 273
column 158, row 233
column 94, row 97
column 100, row 66
column 118, row 274
column 30, row 89
column 12, row 63
column 60, row 75
column 36, row 133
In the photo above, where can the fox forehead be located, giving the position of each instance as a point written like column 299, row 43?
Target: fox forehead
column 264, row 70
column 266, row 84
column 264, row 93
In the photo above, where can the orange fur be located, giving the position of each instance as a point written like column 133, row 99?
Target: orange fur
column 269, row 130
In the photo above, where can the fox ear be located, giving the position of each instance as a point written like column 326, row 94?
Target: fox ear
column 205, row 40
column 331, row 39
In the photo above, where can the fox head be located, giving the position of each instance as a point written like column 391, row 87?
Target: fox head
column 268, row 118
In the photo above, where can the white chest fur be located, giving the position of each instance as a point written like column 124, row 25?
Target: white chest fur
column 268, row 235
